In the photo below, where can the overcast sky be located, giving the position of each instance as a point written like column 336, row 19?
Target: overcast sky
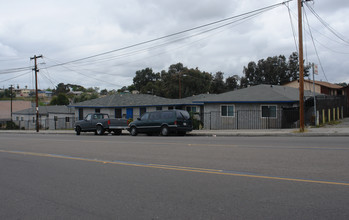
column 64, row 31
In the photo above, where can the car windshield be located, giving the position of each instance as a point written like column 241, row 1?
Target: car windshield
column 145, row 116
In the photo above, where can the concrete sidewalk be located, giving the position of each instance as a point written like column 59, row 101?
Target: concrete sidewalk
column 309, row 132
column 340, row 129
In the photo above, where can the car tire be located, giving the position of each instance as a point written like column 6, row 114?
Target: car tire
column 78, row 130
column 133, row 131
column 164, row 131
column 100, row 130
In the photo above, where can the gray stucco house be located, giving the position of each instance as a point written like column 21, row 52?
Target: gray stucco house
column 255, row 107
column 50, row 117
column 134, row 105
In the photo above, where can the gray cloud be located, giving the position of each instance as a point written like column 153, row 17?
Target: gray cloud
column 68, row 30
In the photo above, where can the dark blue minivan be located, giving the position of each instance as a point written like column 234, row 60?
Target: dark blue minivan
column 163, row 122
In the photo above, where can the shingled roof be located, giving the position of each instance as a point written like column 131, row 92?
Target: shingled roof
column 44, row 110
column 257, row 94
column 326, row 84
column 137, row 100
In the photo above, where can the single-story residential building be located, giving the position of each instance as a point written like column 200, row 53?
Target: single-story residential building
column 255, row 107
column 320, row 87
column 50, row 117
column 5, row 109
column 134, row 105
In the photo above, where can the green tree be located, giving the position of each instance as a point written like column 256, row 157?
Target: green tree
column 344, row 84
column 85, row 96
column 274, row 70
column 61, row 88
column 195, row 82
column 6, row 94
column 76, row 88
column 61, row 99
column 104, row 92
column 231, row 83
column 217, row 84
column 192, row 81
column 143, row 77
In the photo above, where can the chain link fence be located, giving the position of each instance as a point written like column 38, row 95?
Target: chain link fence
column 46, row 124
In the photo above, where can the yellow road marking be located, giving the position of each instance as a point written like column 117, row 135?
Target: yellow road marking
column 178, row 168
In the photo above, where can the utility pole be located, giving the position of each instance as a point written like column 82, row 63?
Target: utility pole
column 179, row 85
column 36, row 90
column 301, row 68
column 11, row 101
column 314, row 96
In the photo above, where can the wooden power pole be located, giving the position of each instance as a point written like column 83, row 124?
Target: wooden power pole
column 301, row 69
column 36, row 90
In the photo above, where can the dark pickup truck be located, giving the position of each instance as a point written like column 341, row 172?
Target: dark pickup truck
column 100, row 123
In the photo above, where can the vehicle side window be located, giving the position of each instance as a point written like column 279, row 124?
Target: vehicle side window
column 155, row 116
column 88, row 117
column 167, row 115
column 145, row 116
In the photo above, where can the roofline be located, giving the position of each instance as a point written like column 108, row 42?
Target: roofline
column 248, row 102
column 133, row 106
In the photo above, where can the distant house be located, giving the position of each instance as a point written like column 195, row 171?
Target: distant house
column 44, row 94
column 255, row 107
column 50, row 117
column 320, row 87
column 134, row 105
column 5, row 109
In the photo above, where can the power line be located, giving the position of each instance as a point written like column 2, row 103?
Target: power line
column 15, row 77
column 317, row 54
column 131, row 53
column 89, row 76
column 293, row 30
column 325, row 24
column 170, row 35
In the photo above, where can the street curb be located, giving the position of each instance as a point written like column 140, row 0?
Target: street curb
column 271, row 134
column 204, row 134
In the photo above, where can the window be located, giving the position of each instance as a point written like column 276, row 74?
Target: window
column 227, row 111
column 158, row 108
column 17, row 118
column 67, row 119
column 170, row 107
column 22, row 119
column 142, row 111
column 81, row 113
column 118, row 113
column 33, row 119
column 98, row 110
column 268, row 111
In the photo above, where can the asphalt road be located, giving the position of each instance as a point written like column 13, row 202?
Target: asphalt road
column 124, row 177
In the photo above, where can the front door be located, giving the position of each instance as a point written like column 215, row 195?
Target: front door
column 129, row 113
